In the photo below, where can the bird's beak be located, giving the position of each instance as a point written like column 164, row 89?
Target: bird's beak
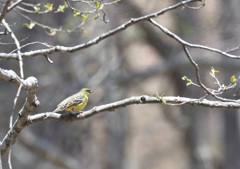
column 90, row 91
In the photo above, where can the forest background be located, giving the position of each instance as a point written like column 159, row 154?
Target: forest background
column 140, row 60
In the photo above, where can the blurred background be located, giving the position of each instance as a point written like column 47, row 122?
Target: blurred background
column 140, row 60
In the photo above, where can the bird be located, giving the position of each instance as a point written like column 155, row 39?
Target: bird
column 74, row 103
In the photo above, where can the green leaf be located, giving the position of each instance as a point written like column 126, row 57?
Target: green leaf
column 162, row 95
column 97, row 4
column 184, row 78
column 66, row 4
column 189, row 81
column 29, row 26
column 49, row 7
column 62, row 8
column 101, row 7
column 213, row 70
column 84, row 17
column 233, row 79
column 37, row 9
column 160, row 98
column 76, row 13
column 52, row 32
column 154, row 95
column 164, row 102
column 84, row 31
column 203, row 3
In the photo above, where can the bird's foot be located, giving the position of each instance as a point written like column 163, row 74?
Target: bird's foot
column 75, row 112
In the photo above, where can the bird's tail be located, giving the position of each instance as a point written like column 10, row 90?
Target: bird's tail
column 56, row 110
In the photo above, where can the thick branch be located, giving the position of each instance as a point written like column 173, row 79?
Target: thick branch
column 96, row 40
column 11, row 76
column 24, row 121
column 131, row 101
column 30, row 84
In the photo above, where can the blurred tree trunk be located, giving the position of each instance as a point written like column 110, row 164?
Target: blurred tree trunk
column 116, row 122
column 232, row 146
column 230, row 16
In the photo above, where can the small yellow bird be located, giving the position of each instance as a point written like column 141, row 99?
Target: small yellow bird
column 75, row 102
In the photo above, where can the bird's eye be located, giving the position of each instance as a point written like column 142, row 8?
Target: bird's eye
column 89, row 91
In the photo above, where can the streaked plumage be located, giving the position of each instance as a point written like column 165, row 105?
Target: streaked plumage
column 75, row 102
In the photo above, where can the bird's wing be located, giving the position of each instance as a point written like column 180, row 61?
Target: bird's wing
column 69, row 102
column 74, row 101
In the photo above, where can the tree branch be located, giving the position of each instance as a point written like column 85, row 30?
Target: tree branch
column 30, row 84
column 207, row 90
column 13, row 5
column 168, row 100
column 183, row 42
column 11, row 76
column 25, row 119
column 17, row 45
column 5, row 10
column 96, row 40
column 7, row 27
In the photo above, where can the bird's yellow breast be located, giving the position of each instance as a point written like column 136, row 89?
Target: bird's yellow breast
column 80, row 106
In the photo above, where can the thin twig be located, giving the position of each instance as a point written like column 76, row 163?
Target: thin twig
column 5, row 10
column 32, row 43
column 209, row 91
column 19, row 88
column 11, row 43
column 32, row 11
column 48, row 59
column 233, row 49
column 19, row 54
column 13, row 5
column 39, row 24
column 11, row 123
column 177, row 38
column 203, row 3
